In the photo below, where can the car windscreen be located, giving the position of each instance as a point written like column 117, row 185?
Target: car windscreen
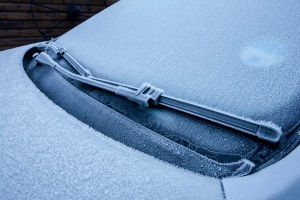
column 240, row 57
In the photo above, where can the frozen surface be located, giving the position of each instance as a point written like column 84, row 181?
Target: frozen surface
column 47, row 154
column 240, row 57
column 279, row 181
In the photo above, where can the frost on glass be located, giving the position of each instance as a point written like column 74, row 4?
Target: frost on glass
column 240, row 57
column 264, row 53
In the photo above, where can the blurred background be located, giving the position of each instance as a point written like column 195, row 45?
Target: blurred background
column 29, row 21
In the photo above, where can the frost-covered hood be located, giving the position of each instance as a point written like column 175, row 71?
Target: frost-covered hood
column 240, row 57
column 48, row 154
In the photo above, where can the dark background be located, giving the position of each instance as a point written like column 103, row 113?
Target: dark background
column 29, row 21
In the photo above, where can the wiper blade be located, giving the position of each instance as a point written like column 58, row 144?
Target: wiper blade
column 148, row 94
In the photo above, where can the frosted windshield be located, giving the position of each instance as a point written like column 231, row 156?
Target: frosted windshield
column 240, row 57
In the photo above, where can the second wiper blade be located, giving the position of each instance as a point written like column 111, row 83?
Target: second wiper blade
column 147, row 95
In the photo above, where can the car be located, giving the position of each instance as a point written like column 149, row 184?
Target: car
column 157, row 100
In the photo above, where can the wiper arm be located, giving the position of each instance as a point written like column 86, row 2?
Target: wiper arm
column 147, row 95
column 63, row 52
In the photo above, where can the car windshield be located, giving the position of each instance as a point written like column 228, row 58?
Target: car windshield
column 244, row 61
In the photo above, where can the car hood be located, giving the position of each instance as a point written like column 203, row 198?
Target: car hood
column 48, row 154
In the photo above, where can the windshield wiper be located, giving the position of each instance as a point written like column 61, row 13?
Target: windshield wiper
column 147, row 95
